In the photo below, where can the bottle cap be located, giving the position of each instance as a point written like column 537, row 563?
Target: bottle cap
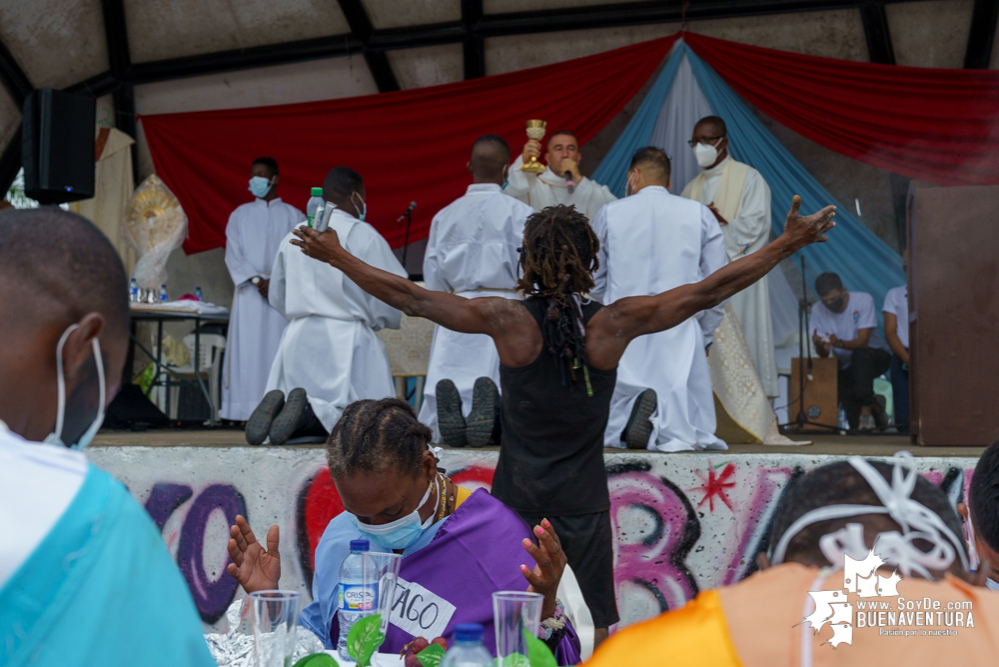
column 359, row 545
column 317, row 192
column 468, row 632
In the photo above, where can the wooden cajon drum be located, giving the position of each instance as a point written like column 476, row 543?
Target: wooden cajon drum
column 820, row 399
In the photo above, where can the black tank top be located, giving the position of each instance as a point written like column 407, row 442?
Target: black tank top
column 551, row 460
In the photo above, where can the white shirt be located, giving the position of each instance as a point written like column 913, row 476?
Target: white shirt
column 549, row 189
column 254, row 234
column 38, row 482
column 897, row 303
column 474, row 240
column 858, row 314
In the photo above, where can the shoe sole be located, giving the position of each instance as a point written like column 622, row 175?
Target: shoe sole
column 481, row 420
column 450, row 421
column 284, row 425
column 639, row 428
column 258, row 426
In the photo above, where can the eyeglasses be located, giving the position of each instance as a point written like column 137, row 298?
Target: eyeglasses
column 707, row 141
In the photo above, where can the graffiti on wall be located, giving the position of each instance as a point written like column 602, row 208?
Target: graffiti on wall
column 682, row 522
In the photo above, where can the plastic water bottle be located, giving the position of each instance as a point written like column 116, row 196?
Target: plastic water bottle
column 133, row 291
column 316, row 202
column 357, row 598
column 163, row 294
column 468, row 650
column 198, row 293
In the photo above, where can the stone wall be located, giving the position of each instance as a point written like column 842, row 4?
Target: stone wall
column 682, row 522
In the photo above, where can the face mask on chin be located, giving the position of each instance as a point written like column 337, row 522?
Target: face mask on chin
column 401, row 533
column 70, row 407
column 706, row 154
column 260, row 186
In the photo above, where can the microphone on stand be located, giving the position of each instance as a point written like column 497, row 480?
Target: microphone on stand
column 569, row 184
column 409, row 223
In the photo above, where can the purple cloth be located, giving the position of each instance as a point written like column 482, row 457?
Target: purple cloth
column 478, row 550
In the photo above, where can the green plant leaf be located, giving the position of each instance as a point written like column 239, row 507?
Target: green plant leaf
column 513, row 660
column 431, row 656
column 364, row 639
column 538, row 653
column 317, row 660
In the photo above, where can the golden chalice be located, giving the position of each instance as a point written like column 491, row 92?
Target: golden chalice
column 536, row 131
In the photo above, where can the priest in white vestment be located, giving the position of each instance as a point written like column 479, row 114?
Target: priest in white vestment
column 253, row 235
column 329, row 347
column 550, row 188
column 740, row 199
column 650, row 242
column 472, row 252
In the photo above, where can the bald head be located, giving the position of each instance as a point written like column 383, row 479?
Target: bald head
column 55, row 267
column 490, row 159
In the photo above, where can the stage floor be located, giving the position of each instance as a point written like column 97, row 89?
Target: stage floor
column 842, row 445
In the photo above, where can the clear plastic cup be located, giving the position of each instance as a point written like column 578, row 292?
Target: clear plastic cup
column 515, row 612
column 274, row 615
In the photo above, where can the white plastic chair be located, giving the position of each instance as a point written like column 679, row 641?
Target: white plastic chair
column 209, row 364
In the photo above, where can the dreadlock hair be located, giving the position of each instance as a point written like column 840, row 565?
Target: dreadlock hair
column 557, row 261
column 372, row 435
column 839, row 483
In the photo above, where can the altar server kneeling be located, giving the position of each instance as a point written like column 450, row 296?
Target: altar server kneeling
column 472, row 252
column 651, row 242
column 329, row 355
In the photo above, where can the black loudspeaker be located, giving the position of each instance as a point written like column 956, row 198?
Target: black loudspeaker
column 57, row 146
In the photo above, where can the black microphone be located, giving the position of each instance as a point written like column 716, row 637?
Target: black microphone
column 409, row 210
column 569, row 184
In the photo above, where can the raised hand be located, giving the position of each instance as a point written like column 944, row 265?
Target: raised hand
column 254, row 568
column 324, row 246
column 532, row 149
column 549, row 562
column 802, row 230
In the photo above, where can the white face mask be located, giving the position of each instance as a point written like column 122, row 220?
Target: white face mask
column 628, row 189
column 401, row 533
column 55, row 437
column 706, row 154
column 361, row 212
column 260, row 186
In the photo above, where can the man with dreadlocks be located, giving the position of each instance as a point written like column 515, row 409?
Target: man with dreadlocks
column 652, row 241
column 558, row 355
column 806, row 598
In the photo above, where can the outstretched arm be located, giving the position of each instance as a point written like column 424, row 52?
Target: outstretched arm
column 483, row 315
column 636, row 316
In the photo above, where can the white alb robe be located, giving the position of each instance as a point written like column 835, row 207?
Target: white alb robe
column 748, row 230
column 652, row 242
column 548, row 189
column 253, row 235
column 472, row 251
column 329, row 347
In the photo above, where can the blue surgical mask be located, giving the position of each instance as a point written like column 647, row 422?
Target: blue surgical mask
column 55, row 437
column 401, row 533
column 361, row 212
column 260, row 186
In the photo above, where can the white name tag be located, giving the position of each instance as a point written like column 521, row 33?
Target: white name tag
column 420, row 612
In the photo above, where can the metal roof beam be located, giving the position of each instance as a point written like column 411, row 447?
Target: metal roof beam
column 473, row 46
column 13, row 78
column 875, row 20
column 982, row 34
column 362, row 28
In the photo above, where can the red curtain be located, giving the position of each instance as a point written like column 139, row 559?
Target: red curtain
column 932, row 124
column 408, row 145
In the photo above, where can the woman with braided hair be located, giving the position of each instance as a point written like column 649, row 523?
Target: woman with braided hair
column 559, row 354
column 396, row 497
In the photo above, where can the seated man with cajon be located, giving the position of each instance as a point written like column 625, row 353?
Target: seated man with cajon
column 844, row 323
